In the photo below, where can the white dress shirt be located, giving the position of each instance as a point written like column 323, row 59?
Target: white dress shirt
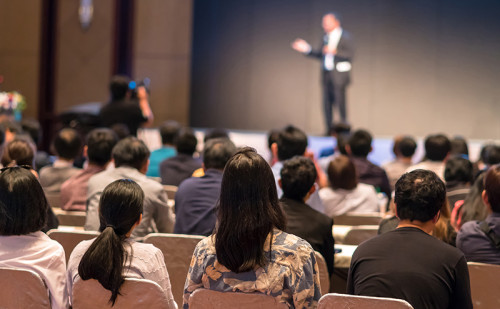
column 39, row 253
column 145, row 262
column 332, row 40
column 362, row 199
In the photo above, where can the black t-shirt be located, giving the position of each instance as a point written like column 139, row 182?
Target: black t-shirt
column 409, row 264
column 127, row 112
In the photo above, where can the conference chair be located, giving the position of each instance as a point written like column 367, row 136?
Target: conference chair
column 343, row 301
column 54, row 199
column 22, row 288
column 134, row 293
column 358, row 219
column 484, row 285
column 69, row 239
column 360, row 233
column 177, row 251
column 71, row 218
column 324, row 276
column 171, row 190
column 208, row 299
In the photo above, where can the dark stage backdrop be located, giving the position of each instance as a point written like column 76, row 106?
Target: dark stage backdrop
column 420, row 66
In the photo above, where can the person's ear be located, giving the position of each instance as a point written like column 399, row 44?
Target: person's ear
column 485, row 199
column 436, row 217
column 396, row 210
column 312, row 190
column 85, row 151
column 279, row 183
column 348, row 149
column 274, row 150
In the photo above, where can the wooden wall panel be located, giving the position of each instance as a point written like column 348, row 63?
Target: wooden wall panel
column 20, row 48
column 162, row 52
column 83, row 57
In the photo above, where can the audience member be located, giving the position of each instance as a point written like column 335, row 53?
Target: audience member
column 131, row 161
column 341, row 132
column 293, row 142
column 408, row 263
column 168, row 131
column 272, row 138
column 298, row 177
column 215, row 133
column 437, row 149
column 113, row 255
column 177, row 168
column 458, row 176
column 472, row 208
column 480, row 240
column 121, row 109
column 404, row 149
column 21, row 152
column 100, row 143
column 345, row 194
column 359, row 146
column 458, row 147
column 67, row 146
column 32, row 127
column 197, row 197
column 23, row 213
column 249, row 251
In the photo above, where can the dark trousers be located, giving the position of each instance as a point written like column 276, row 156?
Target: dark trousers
column 334, row 84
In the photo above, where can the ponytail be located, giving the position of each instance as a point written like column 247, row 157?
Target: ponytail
column 120, row 207
column 104, row 261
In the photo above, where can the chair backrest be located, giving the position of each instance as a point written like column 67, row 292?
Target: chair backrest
column 358, row 219
column 22, row 288
column 343, row 301
column 484, row 285
column 177, row 250
column 171, row 191
column 360, row 233
column 71, row 218
column 324, row 276
column 208, row 299
column 69, row 240
column 134, row 293
column 54, row 199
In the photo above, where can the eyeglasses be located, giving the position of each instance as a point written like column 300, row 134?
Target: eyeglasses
column 26, row 167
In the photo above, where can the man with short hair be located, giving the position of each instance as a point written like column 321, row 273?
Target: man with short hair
column 298, row 177
column 100, row 143
column 437, row 149
column 358, row 147
column 168, row 132
column 404, row 148
column 177, row 168
column 480, row 240
column 293, row 142
column 196, row 197
column 408, row 263
column 130, row 156
column 67, row 146
column 122, row 110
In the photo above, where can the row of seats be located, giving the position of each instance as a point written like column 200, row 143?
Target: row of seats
column 25, row 289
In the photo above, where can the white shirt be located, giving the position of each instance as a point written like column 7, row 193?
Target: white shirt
column 146, row 262
column 39, row 253
column 362, row 199
column 333, row 42
column 435, row 166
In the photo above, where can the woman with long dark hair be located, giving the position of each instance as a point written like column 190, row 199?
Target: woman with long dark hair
column 113, row 256
column 23, row 213
column 249, row 252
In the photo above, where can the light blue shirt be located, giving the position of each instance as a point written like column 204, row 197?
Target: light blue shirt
column 157, row 157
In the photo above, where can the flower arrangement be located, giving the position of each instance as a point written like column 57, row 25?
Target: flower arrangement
column 11, row 102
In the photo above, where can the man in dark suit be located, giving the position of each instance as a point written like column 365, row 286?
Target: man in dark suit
column 336, row 54
column 297, row 181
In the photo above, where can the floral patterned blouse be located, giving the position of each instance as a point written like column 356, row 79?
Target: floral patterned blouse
column 291, row 276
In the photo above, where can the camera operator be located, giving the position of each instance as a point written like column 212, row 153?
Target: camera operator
column 122, row 109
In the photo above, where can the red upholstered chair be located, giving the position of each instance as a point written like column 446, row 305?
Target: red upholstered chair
column 484, row 285
column 69, row 240
column 324, row 276
column 22, row 288
column 208, row 299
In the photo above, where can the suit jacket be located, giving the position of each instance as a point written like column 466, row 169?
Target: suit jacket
column 312, row 226
column 176, row 169
column 156, row 209
column 345, row 53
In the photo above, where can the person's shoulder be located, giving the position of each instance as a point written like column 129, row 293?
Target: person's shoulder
column 469, row 228
column 290, row 243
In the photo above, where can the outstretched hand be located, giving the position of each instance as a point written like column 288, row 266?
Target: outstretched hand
column 301, row 46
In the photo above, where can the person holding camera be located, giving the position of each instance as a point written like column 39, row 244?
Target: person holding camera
column 124, row 110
